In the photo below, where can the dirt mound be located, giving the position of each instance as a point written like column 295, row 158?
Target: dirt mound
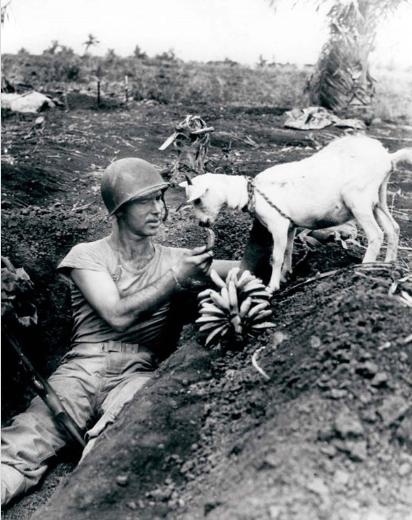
column 323, row 432
column 232, row 442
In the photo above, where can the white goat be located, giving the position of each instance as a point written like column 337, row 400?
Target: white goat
column 347, row 179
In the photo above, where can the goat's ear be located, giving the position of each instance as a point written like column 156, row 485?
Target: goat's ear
column 183, row 184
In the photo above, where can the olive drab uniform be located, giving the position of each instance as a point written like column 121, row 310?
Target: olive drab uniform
column 99, row 375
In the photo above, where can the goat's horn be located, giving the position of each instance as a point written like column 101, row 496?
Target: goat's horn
column 188, row 180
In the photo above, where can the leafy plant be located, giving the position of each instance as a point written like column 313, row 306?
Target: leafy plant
column 16, row 293
column 342, row 78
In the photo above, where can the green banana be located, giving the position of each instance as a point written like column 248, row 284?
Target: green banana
column 212, row 309
column 211, row 238
column 245, row 306
column 244, row 278
column 262, row 315
column 232, row 294
column 253, row 285
column 204, row 294
column 209, row 325
column 209, row 318
column 264, row 325
column 256, row 309
column 220, row 331
column 220, row 301
column 263, row 295
column 232, row 274
column 216, row 279
column 237, row 324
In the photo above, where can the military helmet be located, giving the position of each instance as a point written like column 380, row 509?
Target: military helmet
column 128, row 179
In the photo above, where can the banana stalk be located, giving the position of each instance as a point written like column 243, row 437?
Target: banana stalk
column 237, row 308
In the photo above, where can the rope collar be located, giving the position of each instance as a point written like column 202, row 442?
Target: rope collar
column 251, row 203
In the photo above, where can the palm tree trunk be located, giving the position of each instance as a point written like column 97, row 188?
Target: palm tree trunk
column 341, row 80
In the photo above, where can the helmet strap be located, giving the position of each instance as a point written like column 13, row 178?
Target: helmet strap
column 165, row 206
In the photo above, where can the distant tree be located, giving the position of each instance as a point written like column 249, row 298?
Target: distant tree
column 91, row 41
column 66, row 51
column 54, row 46
column 111, row 55
column 138, row 53
column 342, row 77
column 169, row 55
column 262, row 62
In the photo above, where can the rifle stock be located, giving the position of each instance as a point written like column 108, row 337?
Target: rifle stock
column 47, row 393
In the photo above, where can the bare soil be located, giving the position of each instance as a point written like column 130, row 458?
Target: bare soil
column 327, row 434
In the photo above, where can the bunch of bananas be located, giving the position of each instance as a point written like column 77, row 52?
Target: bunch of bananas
column 239, row 307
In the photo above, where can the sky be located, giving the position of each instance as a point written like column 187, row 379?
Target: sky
column 241, row 30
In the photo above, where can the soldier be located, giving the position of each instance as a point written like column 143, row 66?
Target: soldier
column 122, row 290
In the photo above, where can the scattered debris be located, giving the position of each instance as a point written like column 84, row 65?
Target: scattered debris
column 348, row 425
column 30, row 102
column 316, row 118
column 191, row 140
column 392, row 409
column 255, row 363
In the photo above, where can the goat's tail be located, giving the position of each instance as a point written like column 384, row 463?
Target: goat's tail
column 401, row 155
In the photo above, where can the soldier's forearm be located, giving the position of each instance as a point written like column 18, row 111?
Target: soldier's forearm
column 131, row 307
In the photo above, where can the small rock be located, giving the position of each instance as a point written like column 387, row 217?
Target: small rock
column 315, row 342
column 404, row 432
column 329, row 450
column 132, row 505
column 318, row 486
column 403, row 356
column 392, row 409
column 341, row 478
column 385, row 346
column 271, row 461
column 369, row 415
column 209, row 506
column 326, row 434
column 404, row 469
column 162, row 494
column 357, row 450
column 274, row 512
column 365, row 397
column 337, row 393
column 380, row 379
column 278, row 337
column 368, row 369
column 122, row 480
column 347, row 424
column 375, row 515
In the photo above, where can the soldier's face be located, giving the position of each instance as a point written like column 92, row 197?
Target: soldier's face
column 143, row 216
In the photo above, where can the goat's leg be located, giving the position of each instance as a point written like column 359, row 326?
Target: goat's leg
column 391, row 235
column 287, row 264
column 363, row 213
column 258, row 250
column 280, row 240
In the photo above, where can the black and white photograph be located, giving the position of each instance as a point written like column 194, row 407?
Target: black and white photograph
column 206, row 259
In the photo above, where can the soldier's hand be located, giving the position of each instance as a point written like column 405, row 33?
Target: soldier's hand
column 196, row 264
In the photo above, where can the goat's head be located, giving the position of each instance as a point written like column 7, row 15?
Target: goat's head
column 206, row 196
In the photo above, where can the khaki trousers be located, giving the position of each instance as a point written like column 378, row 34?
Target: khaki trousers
column 94, row 382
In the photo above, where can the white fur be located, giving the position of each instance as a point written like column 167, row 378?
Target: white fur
column 347, row 179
